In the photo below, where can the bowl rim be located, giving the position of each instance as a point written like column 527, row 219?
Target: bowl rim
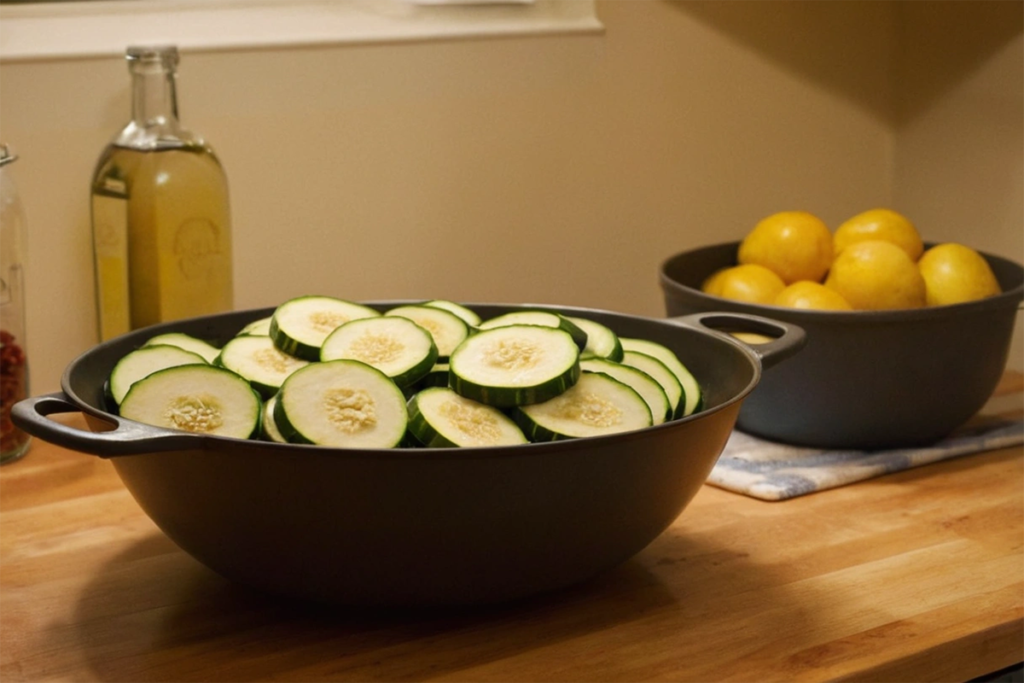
column 1008, row 298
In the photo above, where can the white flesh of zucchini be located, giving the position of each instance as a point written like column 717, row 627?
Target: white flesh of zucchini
column 208, row 351
column 440, row 418
column 597, row 405
column 202, row 399
column 644, row 384
column 541, row 318
column 601, row 341
column 514, row 365
column 469, row 316
column 343, row 404
column 661, row 374
column 256, row 359
column 145, row 361
column 257, row 327
column 396, row 346
column 270, row 430
column 447, row 329
column 691, row 389
column 300, row 326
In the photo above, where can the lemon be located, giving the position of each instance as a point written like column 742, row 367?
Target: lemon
column 880, row 224
column 877, row 275
column 713, row 283
column 795, row 245
column 812, row 295
column 750, row 283
column 954, row 274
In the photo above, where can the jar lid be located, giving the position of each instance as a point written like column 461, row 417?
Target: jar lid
column 7, row 155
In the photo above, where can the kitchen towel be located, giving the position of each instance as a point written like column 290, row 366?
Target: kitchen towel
column 775, row 471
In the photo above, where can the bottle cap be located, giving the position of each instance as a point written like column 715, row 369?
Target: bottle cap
column 166, row 54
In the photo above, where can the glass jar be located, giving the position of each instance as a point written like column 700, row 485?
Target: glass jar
column 13, row 361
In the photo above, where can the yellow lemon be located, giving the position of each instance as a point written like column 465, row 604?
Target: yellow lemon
column 750, row 283
column 713, row 283
column 795, row 245
column 877, row 275
column 812, row 295
column 954, row 273
column 880, row 224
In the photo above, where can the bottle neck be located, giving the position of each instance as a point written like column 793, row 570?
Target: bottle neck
column 154, row 123
column 154, row 98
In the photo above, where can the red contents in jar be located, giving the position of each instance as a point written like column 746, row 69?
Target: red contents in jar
column 13, row 388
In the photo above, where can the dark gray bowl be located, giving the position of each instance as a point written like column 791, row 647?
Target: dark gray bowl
column 866, row 379
column 416, row 527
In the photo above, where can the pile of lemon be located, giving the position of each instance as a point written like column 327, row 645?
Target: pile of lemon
column 874, row 261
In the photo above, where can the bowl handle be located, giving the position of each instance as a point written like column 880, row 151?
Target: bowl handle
column 126, row 437
column 775, row 340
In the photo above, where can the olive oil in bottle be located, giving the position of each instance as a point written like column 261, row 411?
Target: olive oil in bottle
column 160, row 214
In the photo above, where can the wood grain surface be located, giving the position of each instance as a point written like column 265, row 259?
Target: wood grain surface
column 916, row 576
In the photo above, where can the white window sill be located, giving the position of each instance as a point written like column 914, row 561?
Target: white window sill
column 65, row 30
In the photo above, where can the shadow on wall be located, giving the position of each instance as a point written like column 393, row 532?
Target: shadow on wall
column 892, row 59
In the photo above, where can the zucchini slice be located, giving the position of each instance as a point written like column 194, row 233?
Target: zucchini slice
column 145, row 361
column 343, row 404
column 396, row 346
column 601, row 341
column 541, row 318
column 259, row 327
column 693, row 397
column 440, row 418
column 208, row 351
column 299, row 326
column 514, row 365
column 595, row 406
column 661, row 374
column 267, row 424
column 203, row 399
column 261, row 363
column 447, row 329
column 469, row 316
column 648, row 388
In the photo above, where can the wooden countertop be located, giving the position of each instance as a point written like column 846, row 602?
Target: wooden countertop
column 916, row 576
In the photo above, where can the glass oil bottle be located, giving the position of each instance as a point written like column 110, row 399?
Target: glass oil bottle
column 160, row 215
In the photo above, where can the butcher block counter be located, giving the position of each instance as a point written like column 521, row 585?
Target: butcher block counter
column 915, row 576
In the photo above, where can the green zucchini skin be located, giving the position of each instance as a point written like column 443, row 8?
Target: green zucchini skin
column 502, row 394
column 508, row 397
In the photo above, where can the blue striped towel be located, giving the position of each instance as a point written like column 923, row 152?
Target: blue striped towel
column 775, row 471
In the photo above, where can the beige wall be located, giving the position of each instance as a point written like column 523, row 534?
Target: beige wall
column 959, row 156
column 555, row 169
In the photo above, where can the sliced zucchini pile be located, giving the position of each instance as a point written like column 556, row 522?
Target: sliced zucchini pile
column 335, row 373
column 693, row 398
